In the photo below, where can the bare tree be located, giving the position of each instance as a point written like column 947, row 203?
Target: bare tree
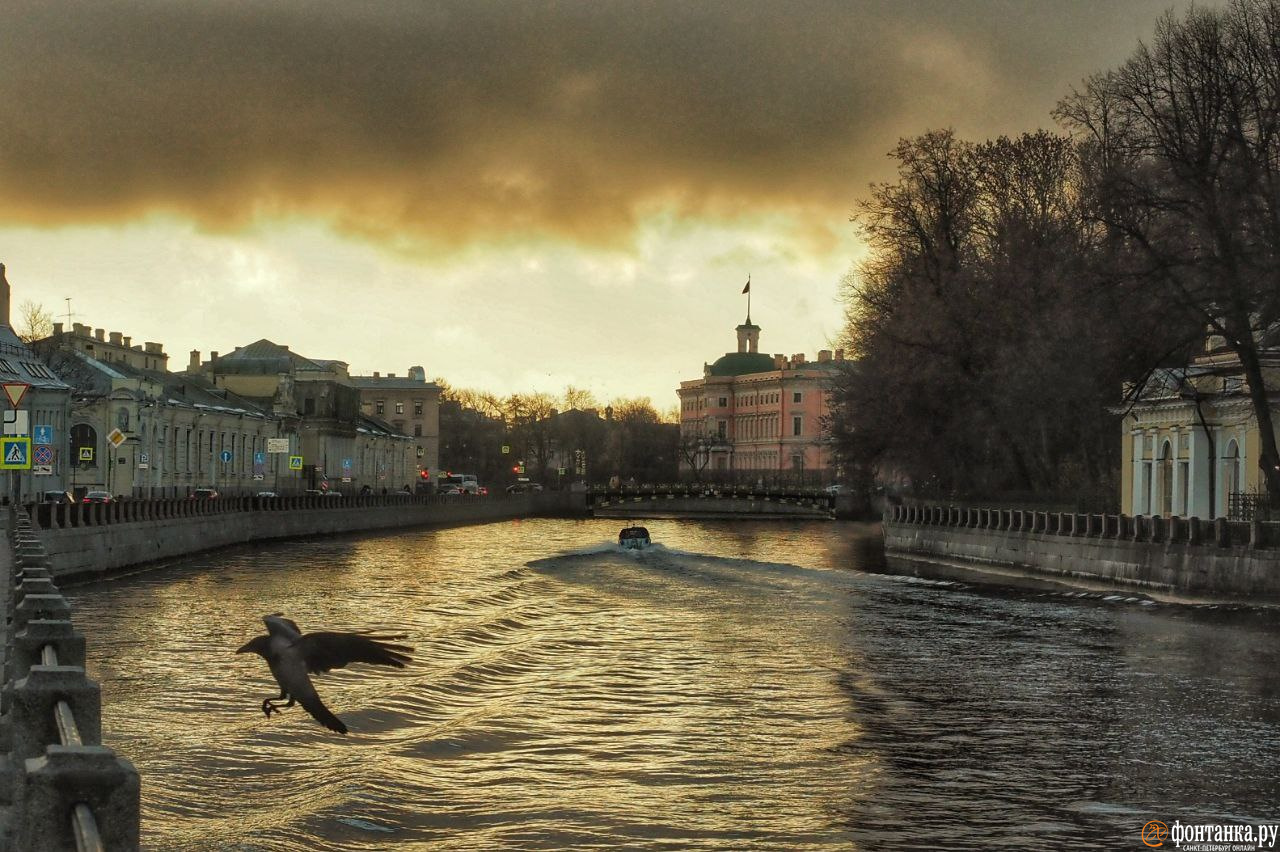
column 1188, row 176
column 35, row 322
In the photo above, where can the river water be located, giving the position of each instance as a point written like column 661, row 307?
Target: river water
column 758, row 685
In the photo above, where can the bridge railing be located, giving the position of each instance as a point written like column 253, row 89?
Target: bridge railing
column 65, row 789
column 1218, row 532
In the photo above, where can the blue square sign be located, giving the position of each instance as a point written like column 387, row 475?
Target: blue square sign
column 42, row 435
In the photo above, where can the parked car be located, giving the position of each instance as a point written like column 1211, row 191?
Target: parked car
column 204, row 494
column 837, row 489
column 524, row 486
column 466, row 482
column 57, row 497
column 333, row 494
column 449, row 488
column 97, row 497
column 266, row 494
column 313, row 492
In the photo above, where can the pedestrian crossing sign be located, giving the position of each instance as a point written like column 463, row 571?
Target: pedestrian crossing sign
column 295, row 462
column 15, row 453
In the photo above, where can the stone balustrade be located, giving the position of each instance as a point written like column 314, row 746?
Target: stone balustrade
column 61, row 788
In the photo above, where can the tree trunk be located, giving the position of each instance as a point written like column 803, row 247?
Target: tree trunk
column 1269, row 457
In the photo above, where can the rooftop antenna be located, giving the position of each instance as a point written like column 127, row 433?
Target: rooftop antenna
column 68, row 298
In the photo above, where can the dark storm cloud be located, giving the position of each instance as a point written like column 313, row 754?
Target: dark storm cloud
column 458, row 119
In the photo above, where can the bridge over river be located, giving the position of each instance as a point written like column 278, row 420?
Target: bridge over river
column 717, row 501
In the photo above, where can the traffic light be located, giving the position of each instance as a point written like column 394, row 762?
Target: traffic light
column 515, row 468
column 424, row 473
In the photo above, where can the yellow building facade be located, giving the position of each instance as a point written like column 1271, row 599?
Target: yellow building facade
column 1191, row 440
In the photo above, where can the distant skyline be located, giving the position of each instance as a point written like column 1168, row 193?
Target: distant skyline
column 516, row 196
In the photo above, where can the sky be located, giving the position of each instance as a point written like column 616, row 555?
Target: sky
column 517, row 196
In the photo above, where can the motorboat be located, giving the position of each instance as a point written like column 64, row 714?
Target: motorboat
column 634, row 538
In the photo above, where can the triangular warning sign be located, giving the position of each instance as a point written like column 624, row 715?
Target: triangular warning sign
column 15, row 391
column 16, row 454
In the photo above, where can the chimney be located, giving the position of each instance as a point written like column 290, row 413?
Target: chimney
column 213, row 355
column 839, row 354
column 376, row 374
column 80, row 328
column 5, row 295
column 154, row 348
column 115, row 338
column 418, row 374
column 824, row 355
column 128, row 343
column 57, row 328
column 194, row 364
column 779, row 362
column 100, row 334
column 391, row 375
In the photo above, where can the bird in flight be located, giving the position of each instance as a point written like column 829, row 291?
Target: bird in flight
column 293, row 656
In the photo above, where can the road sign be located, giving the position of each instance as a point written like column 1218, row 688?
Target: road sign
column 42, row 470
column 277, row 445
column 15, row 453
column 42, row 435
column 295, row 462
column 43, row 454
column 116, row 437
column 86, row 454
column 506, row 448
column 257, row 477
column 17, row 423
column 346, row 466
column 259, row 458
column 15, row 391
column 225, row 455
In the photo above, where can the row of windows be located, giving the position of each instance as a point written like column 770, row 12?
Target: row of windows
column 380, row 407
column 741, row 400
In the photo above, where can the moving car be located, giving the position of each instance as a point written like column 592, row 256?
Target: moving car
column 57, row 497
column 466, row 482
column 524, row 486
column 97, row 497
column 204, row 494
column 266, row 494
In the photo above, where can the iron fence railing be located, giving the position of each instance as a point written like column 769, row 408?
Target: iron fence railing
column 1251, row 506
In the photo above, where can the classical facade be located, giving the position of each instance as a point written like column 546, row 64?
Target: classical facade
column 177, row 432
column 411, row 404
column 1191, row 441
column 757, row 416
column 341, row 447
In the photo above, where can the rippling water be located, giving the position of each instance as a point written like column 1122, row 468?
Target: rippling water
column 744, row 684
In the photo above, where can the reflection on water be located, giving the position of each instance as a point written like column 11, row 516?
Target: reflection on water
column 741, row 684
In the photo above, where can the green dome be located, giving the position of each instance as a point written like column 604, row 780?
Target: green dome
column 742, row 363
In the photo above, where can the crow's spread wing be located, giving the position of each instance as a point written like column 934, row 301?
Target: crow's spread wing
column 325, row 651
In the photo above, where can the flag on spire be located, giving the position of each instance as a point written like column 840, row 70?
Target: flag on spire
column 747, row 289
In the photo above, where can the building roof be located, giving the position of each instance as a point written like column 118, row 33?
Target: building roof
column 262, row 357
column 392, row 383
column 741, row 364
column 91, row 378
column 19, row 363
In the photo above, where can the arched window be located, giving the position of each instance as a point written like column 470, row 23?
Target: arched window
column 83, row 437
column 1232, row 471
column 1166, row 479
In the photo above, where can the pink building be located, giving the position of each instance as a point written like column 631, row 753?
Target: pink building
column 756, row 416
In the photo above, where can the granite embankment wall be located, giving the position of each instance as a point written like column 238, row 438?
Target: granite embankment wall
column 1178, row 557
column 87, row 540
